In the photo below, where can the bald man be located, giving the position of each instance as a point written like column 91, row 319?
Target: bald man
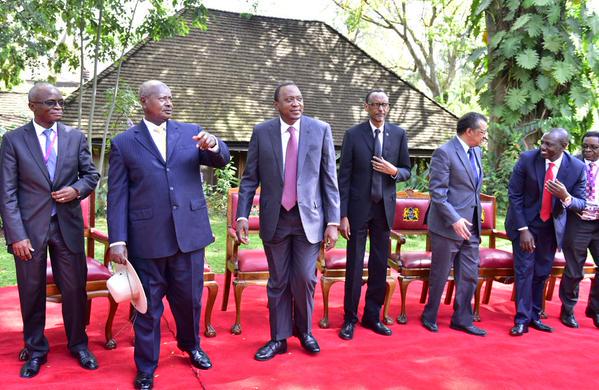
column 46, row 168
column 546, row 185
column 158, row 220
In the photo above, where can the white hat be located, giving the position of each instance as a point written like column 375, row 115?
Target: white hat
column 124, row 285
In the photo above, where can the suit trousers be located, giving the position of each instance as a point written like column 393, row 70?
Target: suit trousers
column 531, row 271
column 292, row 267
column 70, row 273
column 463, row 255
column 581, row 236
column 375, row 227
column 181, row 278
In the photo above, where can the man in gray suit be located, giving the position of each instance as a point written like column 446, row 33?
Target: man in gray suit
column 454, row 222
column 292, row 158
column 46, row 168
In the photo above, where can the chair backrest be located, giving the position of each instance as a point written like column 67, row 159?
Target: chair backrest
column 489, row 214
column 410, row 209
column 85, row 210
column 233, row 200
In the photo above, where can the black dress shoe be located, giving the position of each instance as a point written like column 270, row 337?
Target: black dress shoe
column 519, row 330
column 32, row 366
column 538, row 325
column 347, row 331
column 144, row 381
column 567, row 318
column 309, row 343
column 377, row 327
column 589, row 313
column 473, row 330
column 433, row 327
column 86, row 359
column 199, row 359
column 272, row 348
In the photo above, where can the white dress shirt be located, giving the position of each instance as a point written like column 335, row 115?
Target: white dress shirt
column 285, row 135
column 39, row 130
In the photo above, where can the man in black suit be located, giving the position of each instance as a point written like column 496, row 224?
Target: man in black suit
column 374, row 157
column 46, row 168
column 582, row 233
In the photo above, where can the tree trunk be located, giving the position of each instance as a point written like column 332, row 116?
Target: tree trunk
column 95, row 82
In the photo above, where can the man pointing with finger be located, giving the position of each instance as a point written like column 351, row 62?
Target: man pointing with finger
column 158, row 220
column 453, row 219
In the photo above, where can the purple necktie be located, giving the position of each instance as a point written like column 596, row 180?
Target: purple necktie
column 590, row 182
column 290, row 185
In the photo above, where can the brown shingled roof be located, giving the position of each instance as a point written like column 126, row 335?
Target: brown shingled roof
column 223, row 78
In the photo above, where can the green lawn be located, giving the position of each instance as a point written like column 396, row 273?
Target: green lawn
column 215, row 253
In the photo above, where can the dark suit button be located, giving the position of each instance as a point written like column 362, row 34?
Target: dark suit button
column 171, row 188
column 168, row 169
column 174, row 207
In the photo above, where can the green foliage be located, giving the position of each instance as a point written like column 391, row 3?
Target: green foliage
column 216, row 194
column 418, row 179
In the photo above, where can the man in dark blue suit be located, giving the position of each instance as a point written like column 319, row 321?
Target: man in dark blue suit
column 158, row 219
column 546, row 185
column 374, row 157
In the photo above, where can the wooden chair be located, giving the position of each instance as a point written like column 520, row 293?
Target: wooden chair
column 98, row 272
column 331, row 265
column 212, row 286
column 410, row 209
column 559, row 266
column 244, row 267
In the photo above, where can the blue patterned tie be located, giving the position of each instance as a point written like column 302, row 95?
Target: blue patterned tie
column 473, row 164
column 50, row 153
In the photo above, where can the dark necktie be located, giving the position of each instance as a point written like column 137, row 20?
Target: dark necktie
column 290, row 184
column 376, row 190
column 547, row 202
column 472, row 158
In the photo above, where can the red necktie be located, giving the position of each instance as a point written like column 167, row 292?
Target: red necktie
column 290, row 183
column 547, row 203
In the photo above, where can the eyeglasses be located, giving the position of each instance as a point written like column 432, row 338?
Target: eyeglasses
column 379, row 105
column 51, row 103
column 592, row 147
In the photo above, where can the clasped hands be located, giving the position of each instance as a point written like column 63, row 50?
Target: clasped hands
column 330, row 234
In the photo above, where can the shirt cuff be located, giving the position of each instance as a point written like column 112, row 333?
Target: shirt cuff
column 333, row 224
column 118, row 243
column 394, row 177
column 567, row 202
column 523, row 228
column 241, row 219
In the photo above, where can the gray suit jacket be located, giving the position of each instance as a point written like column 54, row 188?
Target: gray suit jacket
column 454, row 191
column 317, row 192
column 25, row 186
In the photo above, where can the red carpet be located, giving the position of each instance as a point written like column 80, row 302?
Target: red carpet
column 411, row 358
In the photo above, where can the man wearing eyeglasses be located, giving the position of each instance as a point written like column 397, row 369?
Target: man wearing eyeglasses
column 582, row 234
column 454, row 222
column 46, row 168
column 374, row 157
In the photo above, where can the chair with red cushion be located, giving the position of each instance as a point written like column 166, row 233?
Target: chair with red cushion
column 410, row 209
column 331, row 265
column 244, row 267
column 98, row 272
column 212, row 286
column 559, row 266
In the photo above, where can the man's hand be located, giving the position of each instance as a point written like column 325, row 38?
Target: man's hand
column 118, row 253
column 527, row 241
column 330, row 237
column 65, row 195
column 461, row 228
column 242, row 231
column 204, row 140
column 22, row 249
column 344, row 228
column 557, row 189
column 381, row 165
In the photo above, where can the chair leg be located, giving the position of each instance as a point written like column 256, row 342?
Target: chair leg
column 212, row 293
column 325, row 284
column 388, row 295
column 424, row 292
column 227, row 288
column 239, row 286
column 550, row 288
column 479, row 286
column 449, row 293
column 110, row 341
column 488, row 287
column 543, row 313
column 403, row 289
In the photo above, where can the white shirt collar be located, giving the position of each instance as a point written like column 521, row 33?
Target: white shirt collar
column 285, row 126
column 373, row 127
column 151, row 126
column 464, row 144
column 557, row 162
column 39, row 129
column 587, row 162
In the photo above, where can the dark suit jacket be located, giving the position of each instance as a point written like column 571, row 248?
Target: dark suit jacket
column 454, row 191
column 25, row 200
column 355, row 170
column 159, row 207
column 317, row 193
column 525, row 192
